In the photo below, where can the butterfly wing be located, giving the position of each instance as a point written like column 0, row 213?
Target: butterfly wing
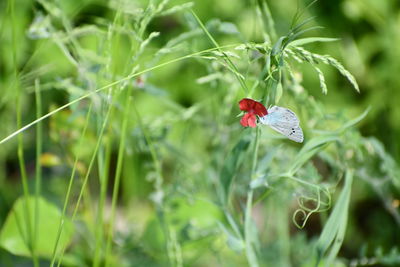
column 284, row 121
column 294, row 133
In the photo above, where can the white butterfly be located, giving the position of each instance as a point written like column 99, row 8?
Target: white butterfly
column 284, row 121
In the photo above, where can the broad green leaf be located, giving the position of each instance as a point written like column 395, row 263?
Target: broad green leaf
column 14, row 234
column 303, row 41
column 333, row 233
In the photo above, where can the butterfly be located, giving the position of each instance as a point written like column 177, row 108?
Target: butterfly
column 280, row 119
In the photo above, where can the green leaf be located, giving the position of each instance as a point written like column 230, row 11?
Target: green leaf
column 310, row 149
column 294, row 36
column 308, row 40
column 259, row 182
column 333, row 233
column 199, row 212
column 354, row 121
column 231, row 165
column 176, row 9
column 226, row 58
column 14, row 234
column 301, row 24
column 228, row 28
column 234, row 242
column 277, row 46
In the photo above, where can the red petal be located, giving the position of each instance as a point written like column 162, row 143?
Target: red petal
column 246, row 104
column 252, row 121
column 251, row 105
column 248, row 120
column 243, row 120
column 259, row 109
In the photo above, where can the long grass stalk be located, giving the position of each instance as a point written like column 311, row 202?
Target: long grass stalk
column 91, row 164
column 104, row 168
column 25, row 186
column 266, row 17
column 225, row 56
column 101, row 251
column 20, row 149
column 117, row 179
column 38, row 167
column 71, row 181
column 133, row 75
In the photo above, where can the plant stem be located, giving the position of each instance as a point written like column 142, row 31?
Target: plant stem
column 117, row 179
column 248, row 223
column 86, row 178
column 20, row 149
column 104, row 168
column 38, row 167
column 71, row 180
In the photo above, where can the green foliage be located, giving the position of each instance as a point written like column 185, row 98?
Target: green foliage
column 335, row 228
column 138, row 102
column 18, row 238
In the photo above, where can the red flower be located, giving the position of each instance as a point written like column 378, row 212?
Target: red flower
column 253, row 108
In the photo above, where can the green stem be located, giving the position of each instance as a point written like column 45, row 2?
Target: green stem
column 117, row 179
column 20, row 149
column 104, row 168
column 38, row 167
column 267, row 18
column 248, row 223
column 250, row 253
column 225, row 56
column 86, row 179
column 25, row 186
column 113, row 39
column 255, row 154
column 71, row 180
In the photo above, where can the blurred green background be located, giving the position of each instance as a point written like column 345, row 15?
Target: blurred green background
column 183, row 130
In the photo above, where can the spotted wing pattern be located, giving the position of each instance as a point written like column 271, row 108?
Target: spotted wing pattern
column 284, row 121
